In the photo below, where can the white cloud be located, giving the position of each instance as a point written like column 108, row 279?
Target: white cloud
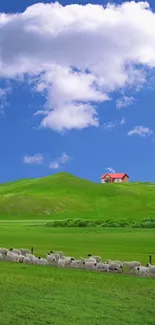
column 109, row 125
column 63, row 159
column 141, row 131
column 111, row 170
column 123, row 121
column 125, row 101
column 77, row 55
column 36, row 159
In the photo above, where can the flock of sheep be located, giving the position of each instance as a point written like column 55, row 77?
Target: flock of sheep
column 57, row 258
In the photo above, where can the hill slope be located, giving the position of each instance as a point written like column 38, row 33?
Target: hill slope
column 66, row 196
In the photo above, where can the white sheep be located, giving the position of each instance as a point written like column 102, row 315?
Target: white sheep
column 42, row 261
column 142, row 270
column 12, row 257
column 26, row 260
column 151, row 269
column 89, row 265
column 103, row 267
column 3, row 250
column 97, row 258
column 131, row 265
column 31, row 256
column 56, row 255
column 50, row 258
column 61, row 262
column 115, row 267
column 76, row 263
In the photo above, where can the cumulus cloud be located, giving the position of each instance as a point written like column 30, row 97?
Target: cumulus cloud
column 36, row 159
column 141, row 131
column 77, row 55
column 125, row 101
column 111, row 170
column 63, row 159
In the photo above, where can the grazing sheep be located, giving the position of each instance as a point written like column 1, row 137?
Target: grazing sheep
column 115, row 267
column 76, row 263
column 31, row 256
column 12, row 256
column 131, row 265
column 3, row 250
column 89, row 265
column 56, row 255
column 142, row 270
column 50, row 258
column 97, row 258
column 103, row 267
column 42, row 261
column 1, row 256
column 151, row 269
column 65, row 262
column 26, row 260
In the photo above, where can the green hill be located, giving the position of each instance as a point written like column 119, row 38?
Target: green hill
column 66, row 196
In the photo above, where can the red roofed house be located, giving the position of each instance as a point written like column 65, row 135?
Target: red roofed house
column 114, row 178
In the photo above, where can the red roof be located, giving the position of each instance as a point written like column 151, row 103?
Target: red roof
column 115, row 176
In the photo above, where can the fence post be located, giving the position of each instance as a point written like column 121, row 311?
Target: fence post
column 31, row 250
column 150, row 259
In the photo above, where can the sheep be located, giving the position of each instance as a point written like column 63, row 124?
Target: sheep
column 12, row 257
column 15, row 250
column 76, row 263
column 56, row 255
column 1, row 256
column 89, row 265
column 115, row 267
column 61, row 262
column 97, row 258
column 25, row 251
column 20, row 258
column 26, row 260
column 142, row 270
column 151, row 269
column 3, row 250
column 131, row 265
column 103, row 267
column 42, row 261
column 31, row 256
column 65, row 262
column 50, row 258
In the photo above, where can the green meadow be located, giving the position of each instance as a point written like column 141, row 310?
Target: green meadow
column 40, row 295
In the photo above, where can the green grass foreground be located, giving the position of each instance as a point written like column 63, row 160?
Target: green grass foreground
column 38, row 295
column 64, row 196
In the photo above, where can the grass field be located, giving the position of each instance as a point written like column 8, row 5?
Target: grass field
column 37, row 295
column 48, row 295
column 66, row 196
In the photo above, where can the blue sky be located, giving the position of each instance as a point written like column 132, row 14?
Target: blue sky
column 83, row 100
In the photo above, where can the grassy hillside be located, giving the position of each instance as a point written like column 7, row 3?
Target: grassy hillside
column 66, row 196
